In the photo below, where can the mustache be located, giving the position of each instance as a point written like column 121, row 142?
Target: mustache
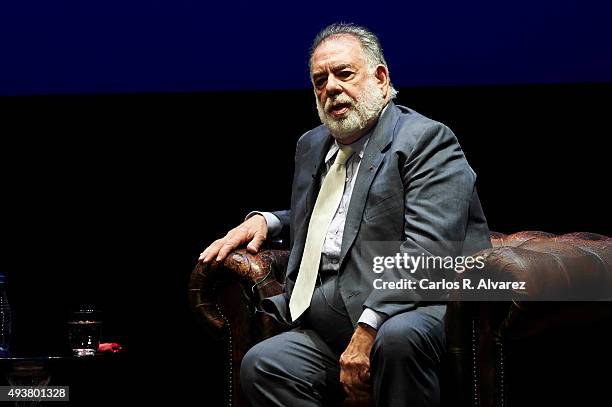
column 341, row 99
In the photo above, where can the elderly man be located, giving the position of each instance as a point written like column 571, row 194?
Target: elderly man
column 373, row 172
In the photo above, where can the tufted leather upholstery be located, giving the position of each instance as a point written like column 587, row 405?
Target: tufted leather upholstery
column 490, row 344
column 505, row 353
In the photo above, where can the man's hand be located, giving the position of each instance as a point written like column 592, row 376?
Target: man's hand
column 253, row 231
column 355, row 363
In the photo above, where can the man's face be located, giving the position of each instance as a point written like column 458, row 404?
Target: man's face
column 349, row 96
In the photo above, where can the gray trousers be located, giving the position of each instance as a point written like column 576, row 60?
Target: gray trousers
column 301, row 367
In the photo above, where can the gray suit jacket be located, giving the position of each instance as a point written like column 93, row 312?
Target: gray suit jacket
column 414, row 186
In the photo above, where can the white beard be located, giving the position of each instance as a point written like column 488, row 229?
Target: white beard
column 370, row 103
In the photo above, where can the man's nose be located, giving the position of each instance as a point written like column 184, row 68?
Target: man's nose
column 333, row 86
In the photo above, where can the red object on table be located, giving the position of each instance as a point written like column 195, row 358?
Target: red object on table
column 109, row 347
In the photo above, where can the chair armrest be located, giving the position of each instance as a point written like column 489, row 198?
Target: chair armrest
column 558, row 269
column 213, row 288
column 225, row 298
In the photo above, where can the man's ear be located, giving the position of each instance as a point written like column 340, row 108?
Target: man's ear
column 382, row 78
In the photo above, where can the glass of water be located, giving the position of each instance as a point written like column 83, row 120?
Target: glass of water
column 84, row 331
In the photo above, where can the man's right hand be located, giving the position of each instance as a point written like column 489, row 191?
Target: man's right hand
column 253, row 231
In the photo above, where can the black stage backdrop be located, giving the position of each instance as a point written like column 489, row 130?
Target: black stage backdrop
column 108, row 199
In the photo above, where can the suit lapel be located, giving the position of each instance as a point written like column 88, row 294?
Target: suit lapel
column 318, row 153
column 314, row 163
column 381, row 137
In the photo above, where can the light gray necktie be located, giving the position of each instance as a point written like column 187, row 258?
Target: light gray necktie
column 324, row 210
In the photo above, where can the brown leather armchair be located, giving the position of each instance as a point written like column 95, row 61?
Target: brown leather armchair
column 504, row 353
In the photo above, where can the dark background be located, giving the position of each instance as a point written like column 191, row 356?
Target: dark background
column 108, row 199
column 111, row 46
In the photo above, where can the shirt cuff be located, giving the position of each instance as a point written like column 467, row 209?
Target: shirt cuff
column 372, row 318
column 274, row 224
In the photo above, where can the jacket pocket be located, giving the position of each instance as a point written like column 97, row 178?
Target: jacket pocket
column 384, row 205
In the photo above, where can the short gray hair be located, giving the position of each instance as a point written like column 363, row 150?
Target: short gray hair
column 370, row 44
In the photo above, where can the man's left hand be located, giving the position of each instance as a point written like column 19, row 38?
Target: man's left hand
column 355, row 363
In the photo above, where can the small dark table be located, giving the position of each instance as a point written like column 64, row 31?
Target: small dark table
column 89, row 378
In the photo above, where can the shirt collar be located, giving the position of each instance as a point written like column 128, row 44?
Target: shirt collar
column 357, row 146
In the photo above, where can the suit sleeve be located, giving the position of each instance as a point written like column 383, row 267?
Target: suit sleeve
column 284, row 217
column 277, row 306
column 438, row 188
